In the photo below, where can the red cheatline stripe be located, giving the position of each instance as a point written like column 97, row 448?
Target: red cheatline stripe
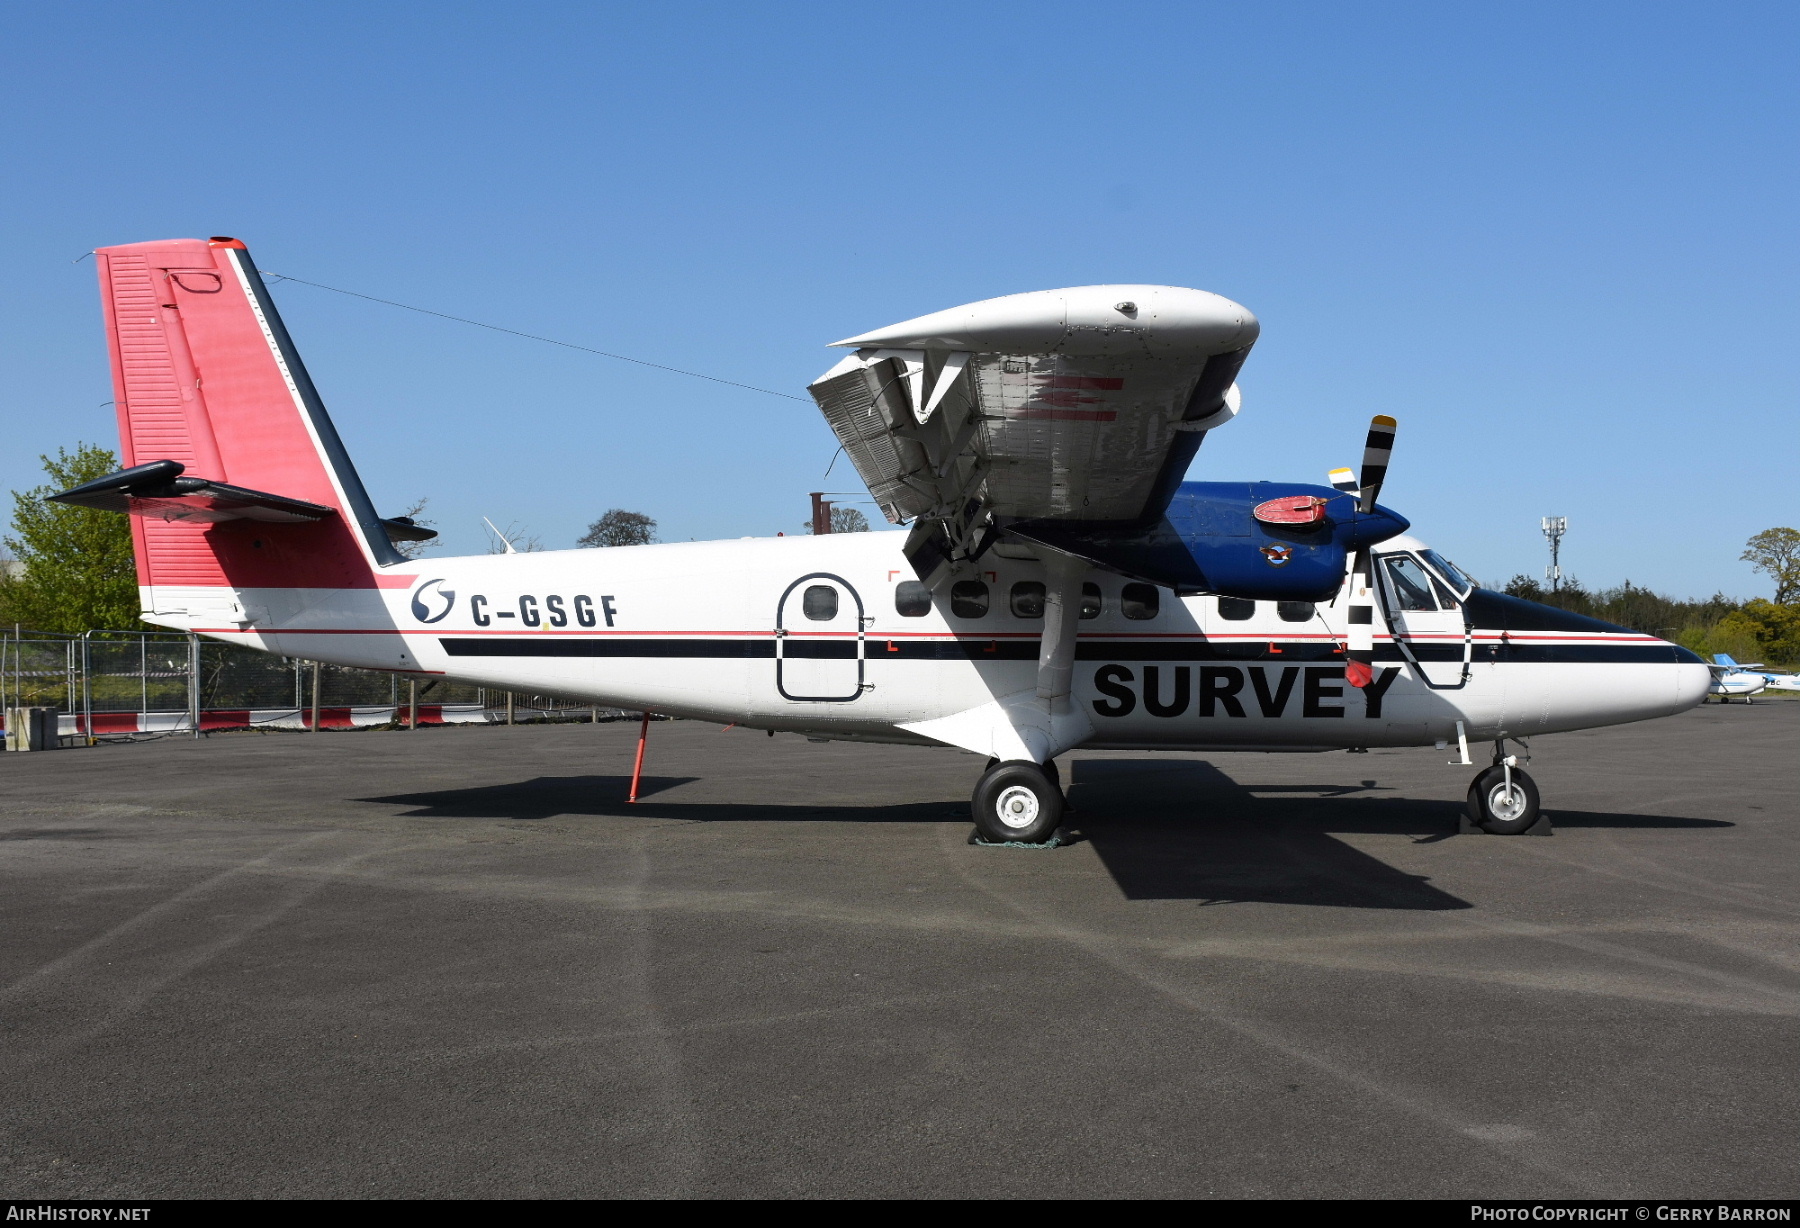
column 1486, row 637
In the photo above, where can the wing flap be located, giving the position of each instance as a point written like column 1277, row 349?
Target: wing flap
column 1077, row 405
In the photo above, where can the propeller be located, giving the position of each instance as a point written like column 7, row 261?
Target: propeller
column 1359, row 651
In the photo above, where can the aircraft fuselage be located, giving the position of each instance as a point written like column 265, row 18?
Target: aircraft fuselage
column 807, row 634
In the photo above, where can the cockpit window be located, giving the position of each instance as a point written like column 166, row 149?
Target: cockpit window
column 1409, row 583
column 1460, row 581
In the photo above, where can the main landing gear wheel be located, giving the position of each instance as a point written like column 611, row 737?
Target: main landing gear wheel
column 1049, row 767
column 1496, row 810
column 1016, row 800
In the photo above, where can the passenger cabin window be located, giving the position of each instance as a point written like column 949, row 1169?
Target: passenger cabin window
column 1408, row 582
column 1294, row 611
column 969, row 599
column 1236, row 609
column 1139, row 601
column 819, row 602
column 1028, row 599
column 1090, row 601
column 911, row 599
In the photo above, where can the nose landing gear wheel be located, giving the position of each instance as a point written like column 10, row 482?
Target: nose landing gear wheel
column 1496, row 810
column 1015, row 800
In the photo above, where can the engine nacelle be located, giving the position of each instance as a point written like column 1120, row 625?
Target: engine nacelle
column 1213, row 540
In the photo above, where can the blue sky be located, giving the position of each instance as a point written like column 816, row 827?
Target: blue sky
column 1557, row 242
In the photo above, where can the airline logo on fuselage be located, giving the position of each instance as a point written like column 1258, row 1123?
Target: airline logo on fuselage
column 430, row 603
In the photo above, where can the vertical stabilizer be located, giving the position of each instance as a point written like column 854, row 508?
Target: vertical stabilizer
column 205, row 375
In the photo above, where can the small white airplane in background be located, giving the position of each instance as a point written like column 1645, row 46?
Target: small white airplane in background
column 1730, row 678
column 1061, row 585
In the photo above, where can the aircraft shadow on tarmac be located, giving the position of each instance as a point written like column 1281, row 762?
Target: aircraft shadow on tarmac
column 1164, row 828
column 546, row 797
column 1183, row 829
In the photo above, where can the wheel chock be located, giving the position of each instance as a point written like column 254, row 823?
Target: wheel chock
column 1059, row 838
column 1467, row 827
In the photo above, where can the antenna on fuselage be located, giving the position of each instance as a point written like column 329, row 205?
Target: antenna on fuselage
column 504, row 539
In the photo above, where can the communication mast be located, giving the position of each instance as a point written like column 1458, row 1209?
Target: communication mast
column 1554, row 528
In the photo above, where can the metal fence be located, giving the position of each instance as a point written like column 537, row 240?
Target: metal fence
column 110, row 684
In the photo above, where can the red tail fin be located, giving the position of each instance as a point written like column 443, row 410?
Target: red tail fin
column 204, row 374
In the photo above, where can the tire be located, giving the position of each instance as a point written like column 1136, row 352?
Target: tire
column 1050, row 770
column 1493, row 812
column 1015, row 800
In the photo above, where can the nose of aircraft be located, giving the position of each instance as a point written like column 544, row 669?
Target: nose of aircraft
column 1692, row 679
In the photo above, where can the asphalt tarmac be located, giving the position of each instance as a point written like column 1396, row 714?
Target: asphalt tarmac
column 455, row 963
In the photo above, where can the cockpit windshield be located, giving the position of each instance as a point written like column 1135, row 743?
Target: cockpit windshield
column 1457, row 578
column 1408, row 582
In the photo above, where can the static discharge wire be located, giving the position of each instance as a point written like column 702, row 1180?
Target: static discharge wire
column 568, row 345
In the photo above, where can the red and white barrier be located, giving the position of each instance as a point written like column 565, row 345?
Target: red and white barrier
column 116, row 724
column 359, row 717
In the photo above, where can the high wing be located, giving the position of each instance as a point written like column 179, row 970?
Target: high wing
column 1082, row 405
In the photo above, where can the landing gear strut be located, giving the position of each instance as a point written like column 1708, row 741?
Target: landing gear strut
column 1017, row 801
column 1503, row 800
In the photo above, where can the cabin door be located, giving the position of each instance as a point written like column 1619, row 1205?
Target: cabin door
column 819, row 632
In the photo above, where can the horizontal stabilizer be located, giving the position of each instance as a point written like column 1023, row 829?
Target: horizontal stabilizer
column 404, row 529
column 157, row 490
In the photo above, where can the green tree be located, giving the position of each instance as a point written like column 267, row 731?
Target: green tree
column 619, row 528
column 1765, row 630
column 76, row 571
column 844, row 520
column 1777, row 552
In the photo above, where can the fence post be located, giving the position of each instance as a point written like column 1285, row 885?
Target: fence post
column 194, row 682
column 87, row 689
column 412, row 703
column 315, row 697
column 509, row 707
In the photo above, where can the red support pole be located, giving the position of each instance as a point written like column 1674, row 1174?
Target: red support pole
column 637, row 769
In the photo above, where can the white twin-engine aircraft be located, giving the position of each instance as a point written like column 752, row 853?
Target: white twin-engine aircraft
column 1061, row 586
